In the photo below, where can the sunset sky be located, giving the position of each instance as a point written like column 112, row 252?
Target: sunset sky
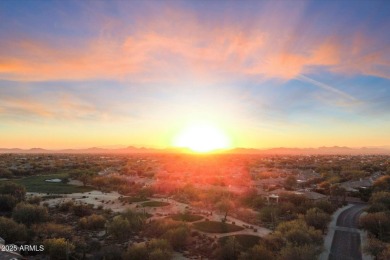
column 77, row 74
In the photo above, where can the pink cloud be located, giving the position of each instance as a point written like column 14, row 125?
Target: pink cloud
column 160, row 49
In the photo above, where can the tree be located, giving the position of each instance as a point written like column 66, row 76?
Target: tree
column 377, row 223
column 111, row 252
column 258, row 252
column 178, row 237
column 34, row 200
column 325, row 206
column 159, row 249
column 29, row 214
column 136, row 252
column 317, row 218
column 382, row 184
column 336, row 191
column 374, row 247
column 229, row 250
column 58, row 248
column 290, row 183
column 381, row 197
column 303, row 252
column 385, row 255
column 14, row 189
column 156, row 249
column 92, row 222
column 224, row 206
column 82, row 210
column 136, row 219
column 85, row 178
column 119, row 227
column 270, row 214
column 11, row 231
column 297, row 232
column 5, row 173
column 7, row 202
column 52, row 230
column 159, row 227
column 251, row 199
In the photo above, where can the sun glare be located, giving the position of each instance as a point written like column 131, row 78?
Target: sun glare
column 202, row 138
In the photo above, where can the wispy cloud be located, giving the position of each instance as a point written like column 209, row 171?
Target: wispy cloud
column 340, row 94
column 174, row 41
column 58, row 107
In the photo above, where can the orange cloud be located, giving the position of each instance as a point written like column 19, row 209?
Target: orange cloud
column 159, row 48
column 62, row 106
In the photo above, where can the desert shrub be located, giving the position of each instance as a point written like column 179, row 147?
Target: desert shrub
column 156, row 249
column 52, row 230
column 303, row 252
column 82, row 210
column 136, row 252
column 34, row 200
column 111, row 252
column 29, row 214
column 66, row 206
column 136, row 219
column 178, row 237
column 14, row 189
column 92, row 222
column 11, row 231
column 7, row 202
column 119, row 227
column 58, row 248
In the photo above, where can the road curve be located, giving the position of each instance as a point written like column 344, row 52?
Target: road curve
column 346, row 244
column 350, row 217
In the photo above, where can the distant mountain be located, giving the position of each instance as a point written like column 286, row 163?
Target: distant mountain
column 272, row 151
column 312, row 151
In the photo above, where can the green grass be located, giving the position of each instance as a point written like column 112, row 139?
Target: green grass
column 216, row 227
column 186, row 217
column 246, row 241
column 155, row 204
column 38, row 184
column 132, row 199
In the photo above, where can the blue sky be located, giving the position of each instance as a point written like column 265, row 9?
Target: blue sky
column 270, row 73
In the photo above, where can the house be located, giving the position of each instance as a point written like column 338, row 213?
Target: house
column 313, row 196
column 351, row 186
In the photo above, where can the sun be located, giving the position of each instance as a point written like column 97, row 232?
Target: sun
column 202, row 138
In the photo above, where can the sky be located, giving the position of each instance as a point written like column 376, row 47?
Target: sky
column 78, row 74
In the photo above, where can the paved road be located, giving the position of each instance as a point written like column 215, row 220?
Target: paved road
column 346, row 241
column 350, row 217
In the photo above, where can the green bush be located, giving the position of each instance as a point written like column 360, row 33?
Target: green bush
column 66, row 206
column 11, row 231
column 58, row 248
column 136, row 252
column 177, row 237
column 156, row 249
column 7, row 202
column 136, row 219
column 29, row 214
column 119, row 227
column 14, row 189
column 82, row 210
column 52, row 230
column 92, row 222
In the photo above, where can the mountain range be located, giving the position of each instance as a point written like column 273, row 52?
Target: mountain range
column 270, row 151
